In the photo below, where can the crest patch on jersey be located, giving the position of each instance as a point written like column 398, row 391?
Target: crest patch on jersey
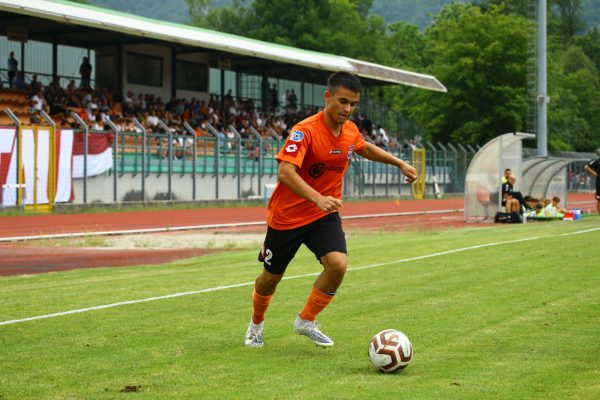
column 350, row 151
column 297, row 136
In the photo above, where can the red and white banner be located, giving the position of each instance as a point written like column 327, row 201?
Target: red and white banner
column 35, row 165
column 100, row 155
column 8, row 161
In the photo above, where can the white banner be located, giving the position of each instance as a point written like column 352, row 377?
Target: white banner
column 96, row 163
column 8, row 166
column 64, row 169
column 35, row 165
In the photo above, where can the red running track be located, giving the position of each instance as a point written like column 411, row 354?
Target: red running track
column 18, row 226
column 21, row 258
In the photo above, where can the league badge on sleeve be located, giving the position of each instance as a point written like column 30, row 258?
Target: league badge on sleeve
column 296, row 136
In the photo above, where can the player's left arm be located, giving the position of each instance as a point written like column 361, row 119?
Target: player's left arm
column 374, row 153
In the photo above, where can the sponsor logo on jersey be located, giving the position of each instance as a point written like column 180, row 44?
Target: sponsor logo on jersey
column 350, row 151
column 335, row 152
column 317, row 170
column 291, row 148
column 297, row 136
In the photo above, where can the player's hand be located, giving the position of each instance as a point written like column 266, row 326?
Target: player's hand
column 409, row 171
column 328, row 203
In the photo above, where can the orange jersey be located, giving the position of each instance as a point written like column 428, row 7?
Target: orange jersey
column 322, row 160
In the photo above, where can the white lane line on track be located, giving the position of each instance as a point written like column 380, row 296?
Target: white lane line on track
column 202, row 227
column 218, row 288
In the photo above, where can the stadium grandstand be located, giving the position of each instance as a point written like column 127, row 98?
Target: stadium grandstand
column 150, row 110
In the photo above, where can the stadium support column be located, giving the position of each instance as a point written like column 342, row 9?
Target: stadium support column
column 542, row 86
column 54, row 58
column 119, row 74
column 264, row 91
column 222, row 89
column 173, row 73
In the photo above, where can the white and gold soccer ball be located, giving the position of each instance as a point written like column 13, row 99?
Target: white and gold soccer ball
column 390, row 350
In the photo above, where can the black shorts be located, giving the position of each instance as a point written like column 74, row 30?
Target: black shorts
column 598, row 188
column 321, row 237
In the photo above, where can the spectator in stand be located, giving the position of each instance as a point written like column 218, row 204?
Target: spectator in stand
column 33, row 112
column 85, row 70
column 383, row 134
column 90, row 111
column 98, row 123
column 35, row 85
column 593, row 168
column 152, row 120
column 274, row 98
column 39, row 101
column 71, row 86
column 13, row 67
column 222, row 139
column 285, row 98
column 18, row 81
column 293, row 100
column 54, row 89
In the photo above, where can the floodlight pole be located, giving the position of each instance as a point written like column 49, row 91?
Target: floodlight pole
column 542, row 82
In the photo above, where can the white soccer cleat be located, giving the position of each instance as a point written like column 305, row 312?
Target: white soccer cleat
column 254, row 335
column 312, row 331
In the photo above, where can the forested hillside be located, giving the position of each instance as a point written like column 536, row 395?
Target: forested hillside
column 416, row 12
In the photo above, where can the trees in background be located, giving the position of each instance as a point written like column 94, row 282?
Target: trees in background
column 479, row 51
column 479, row 57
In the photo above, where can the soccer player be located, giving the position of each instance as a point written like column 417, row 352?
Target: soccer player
column 593, row 168
column 304, row 206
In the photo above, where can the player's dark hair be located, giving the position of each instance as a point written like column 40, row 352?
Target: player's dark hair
column 345, row 79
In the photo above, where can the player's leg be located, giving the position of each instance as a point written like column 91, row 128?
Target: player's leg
column 278, row 250
column 327, row 241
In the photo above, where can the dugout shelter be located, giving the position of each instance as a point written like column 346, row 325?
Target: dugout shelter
column 540, row 177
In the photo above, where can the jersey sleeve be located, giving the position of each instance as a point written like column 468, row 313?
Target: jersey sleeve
column 360, row 143
column 295, row 147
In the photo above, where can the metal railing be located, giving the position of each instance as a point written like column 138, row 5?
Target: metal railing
column 214, row 159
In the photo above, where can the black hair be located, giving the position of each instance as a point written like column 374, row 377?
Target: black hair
column 345, row 79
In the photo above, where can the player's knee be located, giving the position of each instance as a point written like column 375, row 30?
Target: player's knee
column 337, row 265
column 269, row 280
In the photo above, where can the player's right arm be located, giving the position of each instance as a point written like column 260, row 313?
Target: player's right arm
column 589, row 170
column 288, row 176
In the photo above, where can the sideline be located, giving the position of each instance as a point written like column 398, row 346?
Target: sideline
column 218, row 288
column 205, row 227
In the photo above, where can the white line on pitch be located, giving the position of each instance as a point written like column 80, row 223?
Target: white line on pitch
column 200, row 227
column 218, row 288
column 580, row 232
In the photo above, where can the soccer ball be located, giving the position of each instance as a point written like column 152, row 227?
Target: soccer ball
column 390, row 350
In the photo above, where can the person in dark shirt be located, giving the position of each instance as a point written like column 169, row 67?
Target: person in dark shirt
column 593, row 168
column 85, row 69
column 511, row 200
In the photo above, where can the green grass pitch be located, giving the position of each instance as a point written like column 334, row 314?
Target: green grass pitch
column 501, row 312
